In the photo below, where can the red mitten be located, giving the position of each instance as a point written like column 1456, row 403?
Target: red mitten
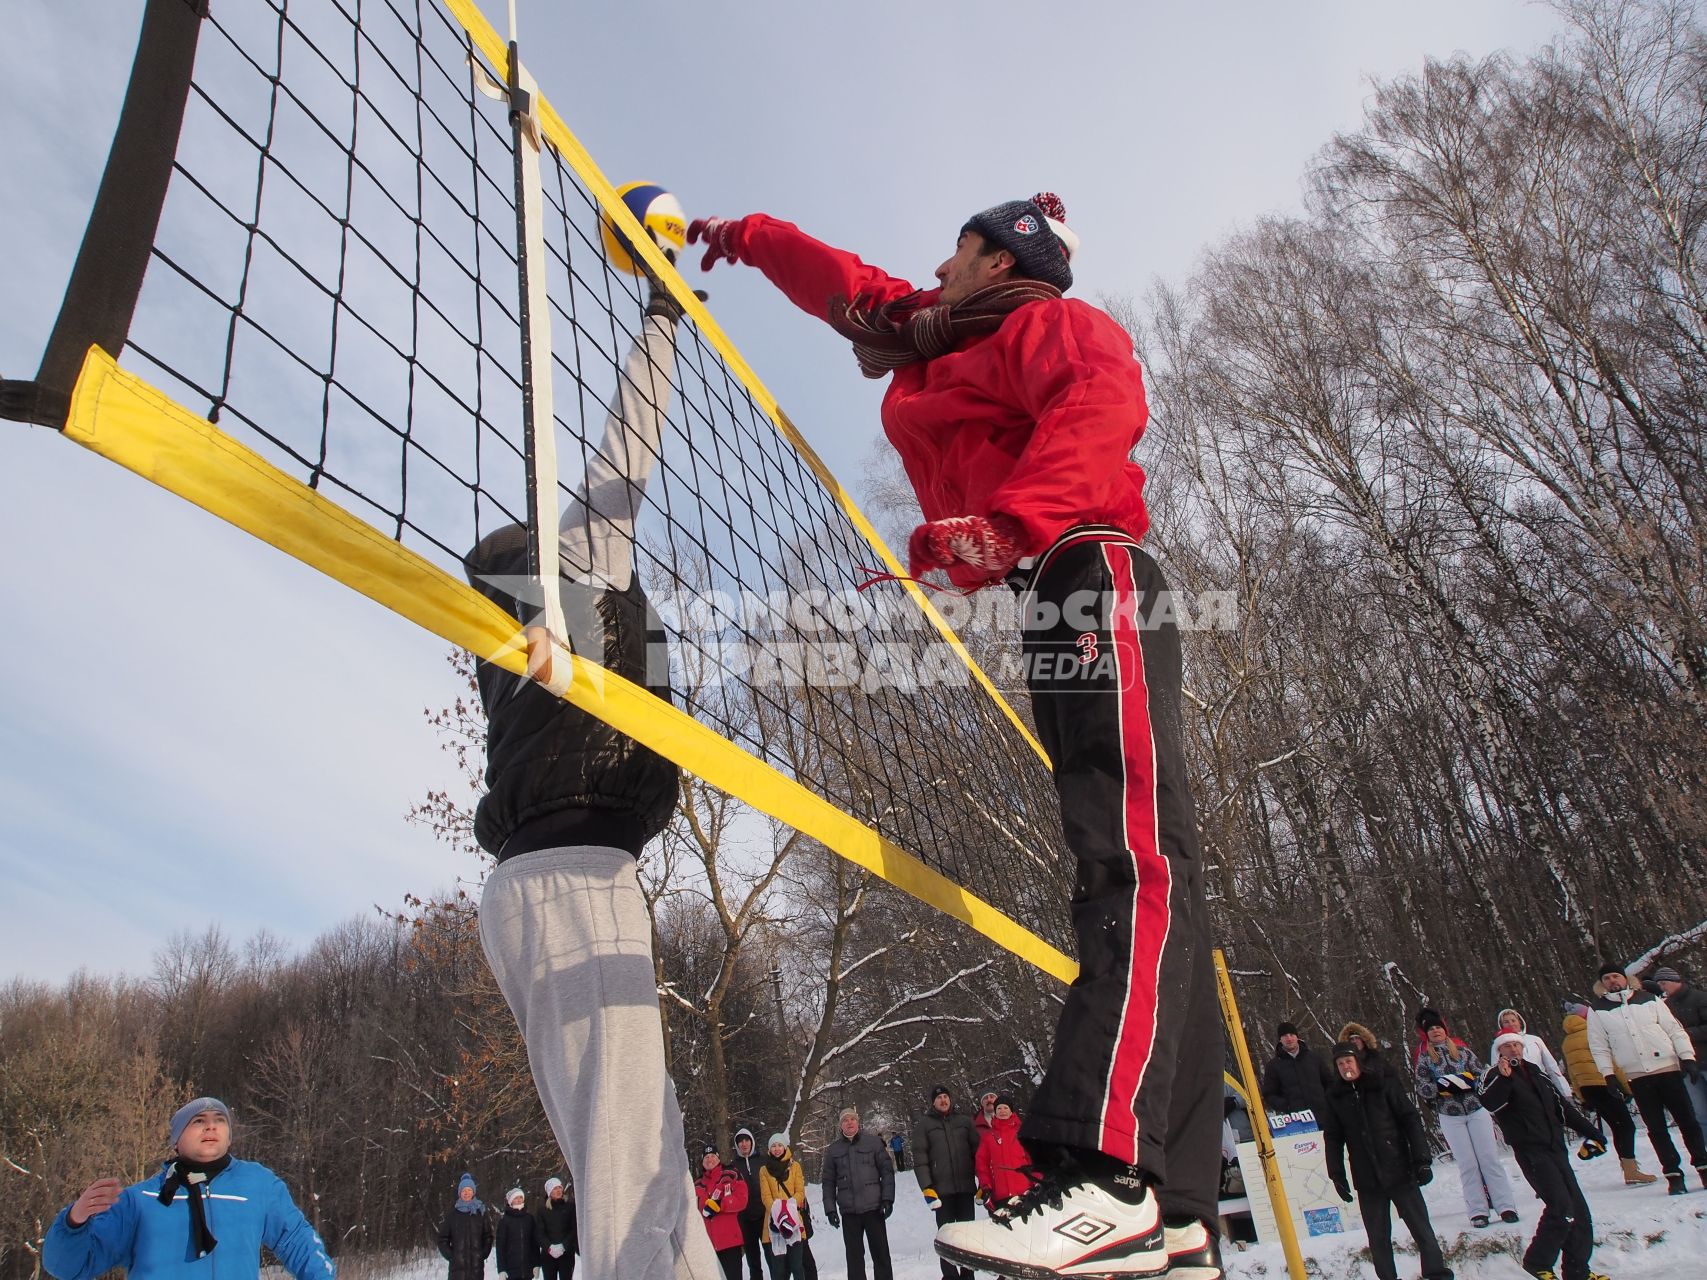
column 991, row 543
column 718, row 236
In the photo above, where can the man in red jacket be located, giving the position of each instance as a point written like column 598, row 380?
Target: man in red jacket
column 1014, row 410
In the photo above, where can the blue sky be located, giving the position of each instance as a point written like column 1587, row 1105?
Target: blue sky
column 195, row 729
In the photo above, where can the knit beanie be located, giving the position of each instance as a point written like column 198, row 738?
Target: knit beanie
column 1667, row 975
column 1429, row 1018
column 1035, row 232
column 937, row 1091
column 189, row 1111
column 776, row 1138
column 1286, row 1029
column 514, row 1194
column 1610, row 966
column 1344, row 1049
column 551, row 1184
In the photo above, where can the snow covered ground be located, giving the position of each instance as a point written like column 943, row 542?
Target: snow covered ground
column 1640, row 1234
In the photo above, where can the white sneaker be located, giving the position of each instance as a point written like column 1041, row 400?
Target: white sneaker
column 1070, row 1226
column 1193, row 1252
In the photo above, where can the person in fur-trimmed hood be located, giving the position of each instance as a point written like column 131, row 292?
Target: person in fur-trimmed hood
column 1365, row 1042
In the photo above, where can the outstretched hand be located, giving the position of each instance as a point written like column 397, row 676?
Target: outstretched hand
column 718, row 237
column 97, row 1197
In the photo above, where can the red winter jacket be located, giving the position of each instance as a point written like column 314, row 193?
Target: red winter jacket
column 727, row 1189
column 1035, row 421
column 1000, row 1159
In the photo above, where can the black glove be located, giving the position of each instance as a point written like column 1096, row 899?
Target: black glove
column 1692, row 1068
column 1424, row 1174
column 886, row 1207
column 661, row 302
column 832, row 1217
column 1345, row 1191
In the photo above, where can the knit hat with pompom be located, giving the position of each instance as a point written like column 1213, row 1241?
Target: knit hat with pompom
column 1035, row 232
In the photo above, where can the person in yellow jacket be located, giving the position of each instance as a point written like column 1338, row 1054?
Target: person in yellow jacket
column 782, row 1187
column 1591, row 1087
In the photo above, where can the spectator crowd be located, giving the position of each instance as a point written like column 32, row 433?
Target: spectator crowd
column 1637, row 1043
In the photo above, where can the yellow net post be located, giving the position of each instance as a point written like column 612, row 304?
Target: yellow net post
column 1259, row 1121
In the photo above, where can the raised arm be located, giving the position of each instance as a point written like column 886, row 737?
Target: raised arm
column 104, row 1239
column 809, row 272
column 597, row 526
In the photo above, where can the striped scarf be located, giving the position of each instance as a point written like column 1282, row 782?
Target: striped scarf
column 889, row 335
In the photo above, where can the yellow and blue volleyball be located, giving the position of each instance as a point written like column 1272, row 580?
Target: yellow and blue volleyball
column 653, row 208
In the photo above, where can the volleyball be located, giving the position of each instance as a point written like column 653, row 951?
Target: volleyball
column 653, row 208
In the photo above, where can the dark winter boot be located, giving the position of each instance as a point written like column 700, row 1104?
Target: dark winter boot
column 1674, row 1184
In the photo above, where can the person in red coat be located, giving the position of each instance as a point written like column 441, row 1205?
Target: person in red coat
column 1001, row 1159
column 722, row 1193
column 1015, row 410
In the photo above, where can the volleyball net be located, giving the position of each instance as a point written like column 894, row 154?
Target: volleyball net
column 346, row 284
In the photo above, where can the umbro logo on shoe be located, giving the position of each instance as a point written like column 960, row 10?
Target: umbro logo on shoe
column 1084, row 1228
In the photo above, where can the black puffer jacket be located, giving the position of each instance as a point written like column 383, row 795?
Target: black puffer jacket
column 1295, row 1083
column 556, row 1220
column 944, row 1148
column 1689, row 1007
column 1374, row 1120
column 518, row 1244
column 1528, row 1108
column 554, row 774
column 465, row 1239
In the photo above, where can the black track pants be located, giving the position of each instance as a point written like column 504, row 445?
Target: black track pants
column 1566, row 1225
column 1658, row 1094
column 1136, row 1069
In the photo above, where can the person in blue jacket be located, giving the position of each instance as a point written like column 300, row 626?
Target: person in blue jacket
column 203, row 1210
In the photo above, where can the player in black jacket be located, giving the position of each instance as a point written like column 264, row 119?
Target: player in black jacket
column 568, row 806
column 1369, row 1116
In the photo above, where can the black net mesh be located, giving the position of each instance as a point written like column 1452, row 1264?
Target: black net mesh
column 335, row 283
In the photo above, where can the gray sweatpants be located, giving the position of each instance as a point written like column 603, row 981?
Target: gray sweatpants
column 568, row 938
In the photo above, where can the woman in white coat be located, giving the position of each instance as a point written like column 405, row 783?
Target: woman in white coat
column 1535, row 1050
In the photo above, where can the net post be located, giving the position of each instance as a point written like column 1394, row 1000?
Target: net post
column 538, row 420
column 1259, row 1120
column 119, row 238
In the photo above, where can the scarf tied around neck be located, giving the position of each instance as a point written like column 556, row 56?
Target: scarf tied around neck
column 193, row 1176
column 889, row 335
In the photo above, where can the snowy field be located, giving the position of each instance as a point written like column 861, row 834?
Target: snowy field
column 1640, row 1234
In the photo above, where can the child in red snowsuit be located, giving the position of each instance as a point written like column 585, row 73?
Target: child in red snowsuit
column 1014, row 410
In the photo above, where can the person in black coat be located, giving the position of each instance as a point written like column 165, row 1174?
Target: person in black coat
column 945, row 1160
column 559, row 1240
column 747, row 1163
column 1367, row 1114
column 465, row 1234
column 1296, row 1079
column 518, row 1239
column 1688, row 1004
column 1532, row 1115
